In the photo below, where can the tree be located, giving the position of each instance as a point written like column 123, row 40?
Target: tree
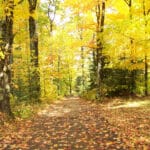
column 133, row 72
column 145, row 14
column 100, row 16
column 34, row 52
column 52, row 8
column 6, row 43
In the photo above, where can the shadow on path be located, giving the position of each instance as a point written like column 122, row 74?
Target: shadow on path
column 69, row 124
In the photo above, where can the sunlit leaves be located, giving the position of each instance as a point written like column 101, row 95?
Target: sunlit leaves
column 2, row 56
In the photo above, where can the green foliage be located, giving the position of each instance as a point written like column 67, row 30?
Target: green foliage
column 2, row 56
column 90, row 95
column 23, row 111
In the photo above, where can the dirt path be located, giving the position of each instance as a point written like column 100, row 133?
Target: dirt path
column 69, row 124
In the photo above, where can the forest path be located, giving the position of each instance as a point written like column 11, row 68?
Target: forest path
column 68, row 124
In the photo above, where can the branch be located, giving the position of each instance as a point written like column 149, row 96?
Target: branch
column 148, row 12
column 20, row 1
column 127, row 2
column 32, row 5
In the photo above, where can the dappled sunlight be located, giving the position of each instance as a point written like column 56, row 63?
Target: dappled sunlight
column 74, row 75
column 60, row 107
column 70, row 98
column 74, row 97
column 133, row 104
column 54, row 111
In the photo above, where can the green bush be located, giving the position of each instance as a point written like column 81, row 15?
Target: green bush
column 23, row 111
column 90, row 95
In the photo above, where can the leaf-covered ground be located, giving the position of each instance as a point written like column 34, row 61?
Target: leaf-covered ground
column 131, row 119
column 75, row 124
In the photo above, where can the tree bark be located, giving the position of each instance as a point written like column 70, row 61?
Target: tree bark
column 70, row 80
column 82, row 61
column 58, row 70
column 34, row 53
column 6, row 31
column 100, row 14
column 146, row 76
column 83, row 72
column 145, row 59
column 133, row 72
column 52, row 7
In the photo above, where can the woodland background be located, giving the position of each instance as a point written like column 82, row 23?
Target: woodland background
column 54, row 48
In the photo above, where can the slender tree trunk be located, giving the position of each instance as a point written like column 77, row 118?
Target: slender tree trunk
column 133, row 72
column 34, row 52
column 70, row 85
column 44, row 80
column 130, row 9
column 52, row 4
column 82, row 66
column 145, row 59
column 93, row 68
column 100, row 14
column 70, row 81
column 58, row 70
column 6, row 31
column 82, row 62
column 146, row 76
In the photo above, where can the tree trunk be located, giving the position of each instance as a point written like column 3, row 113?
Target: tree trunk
column 82, row 62
column 146, row 76
column 58, row 70
column 145, row 59
column 83, row 73
column 70, row 81
column 100, row 14
column 51, row 12
column 133, row 72
column 6, row 31
column 35, row 75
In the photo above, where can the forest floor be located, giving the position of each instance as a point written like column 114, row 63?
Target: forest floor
column 76, row 124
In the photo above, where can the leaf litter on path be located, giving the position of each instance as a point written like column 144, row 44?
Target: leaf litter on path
column 76, row 124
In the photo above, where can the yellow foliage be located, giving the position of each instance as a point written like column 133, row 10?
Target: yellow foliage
column 2, row 56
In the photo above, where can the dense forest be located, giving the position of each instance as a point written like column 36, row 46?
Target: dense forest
column 57, row 48
column 50, row 49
